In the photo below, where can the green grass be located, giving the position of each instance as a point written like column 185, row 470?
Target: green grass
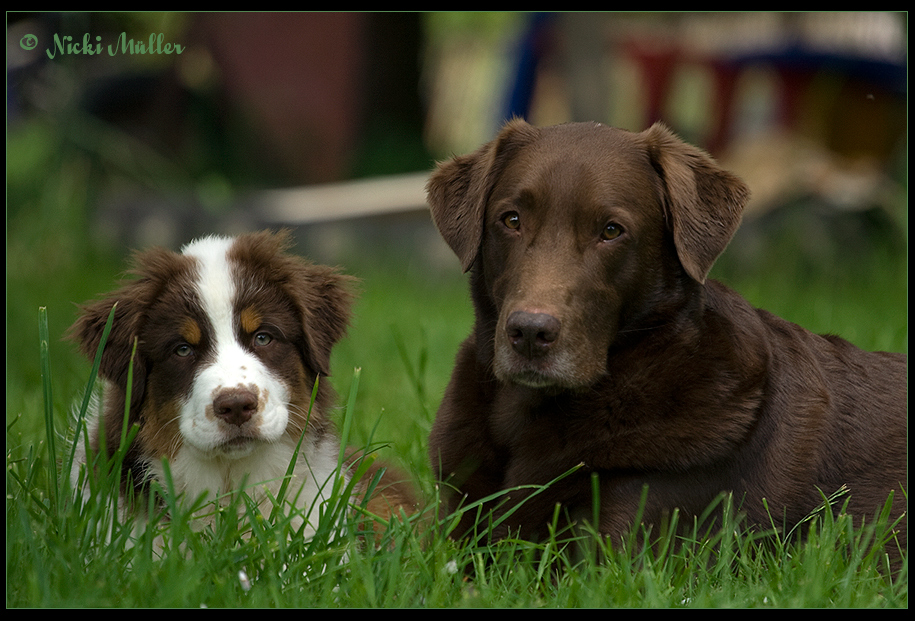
column 64, row 550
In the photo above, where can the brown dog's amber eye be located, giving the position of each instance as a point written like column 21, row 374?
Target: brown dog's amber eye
column 611, row 231
column 512, row 220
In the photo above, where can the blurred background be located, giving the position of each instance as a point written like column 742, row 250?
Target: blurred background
column 329, row 123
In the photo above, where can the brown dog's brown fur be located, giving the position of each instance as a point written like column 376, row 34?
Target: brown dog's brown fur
column 598, row 341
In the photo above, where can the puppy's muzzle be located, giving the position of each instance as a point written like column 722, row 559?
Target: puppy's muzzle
column 235, row 406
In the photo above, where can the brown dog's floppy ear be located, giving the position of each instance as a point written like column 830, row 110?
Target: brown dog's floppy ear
column 458, row 189
column 704, row 201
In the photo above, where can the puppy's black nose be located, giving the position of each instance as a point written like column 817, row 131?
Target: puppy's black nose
column 532, row 334
column 235, row 406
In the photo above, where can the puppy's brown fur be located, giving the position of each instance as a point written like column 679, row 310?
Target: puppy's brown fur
column 306, row 310
column 599, row 341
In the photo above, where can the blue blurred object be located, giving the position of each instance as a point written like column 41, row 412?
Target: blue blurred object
column 530, row 51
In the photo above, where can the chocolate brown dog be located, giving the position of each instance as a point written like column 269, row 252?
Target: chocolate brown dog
column 599, row 342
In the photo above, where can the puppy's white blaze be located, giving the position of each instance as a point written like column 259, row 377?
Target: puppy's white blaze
column 232, row 366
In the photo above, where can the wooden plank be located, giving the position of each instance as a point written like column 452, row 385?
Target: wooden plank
column 341, row 201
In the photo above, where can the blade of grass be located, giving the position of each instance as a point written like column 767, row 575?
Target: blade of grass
column 284, row 486
column 45, row 361
column 128, row 395
column 416, row 374
column 348, row 414
column 87, row 397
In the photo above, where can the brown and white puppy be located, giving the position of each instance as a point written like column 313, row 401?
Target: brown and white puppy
column 230, row 335
column 599, row 342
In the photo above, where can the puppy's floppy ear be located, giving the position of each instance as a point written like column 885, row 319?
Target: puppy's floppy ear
column 458, row 189
column 327, row 312
column 132, row 300
column 87, row 332
column 704, row 202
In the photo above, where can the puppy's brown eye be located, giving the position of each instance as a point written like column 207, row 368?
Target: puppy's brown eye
column 262, row 338
column 184, row 350
column 512, row 220
column 611, row 231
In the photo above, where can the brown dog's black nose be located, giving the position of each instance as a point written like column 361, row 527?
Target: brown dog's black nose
column 532, row 334
column 235, row 406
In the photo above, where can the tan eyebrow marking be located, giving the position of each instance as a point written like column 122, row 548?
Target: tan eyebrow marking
column 250, row 319
column 190, row 332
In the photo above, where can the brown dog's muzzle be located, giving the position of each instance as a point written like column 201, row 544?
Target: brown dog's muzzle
column 532, row 334
column 544, row 338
